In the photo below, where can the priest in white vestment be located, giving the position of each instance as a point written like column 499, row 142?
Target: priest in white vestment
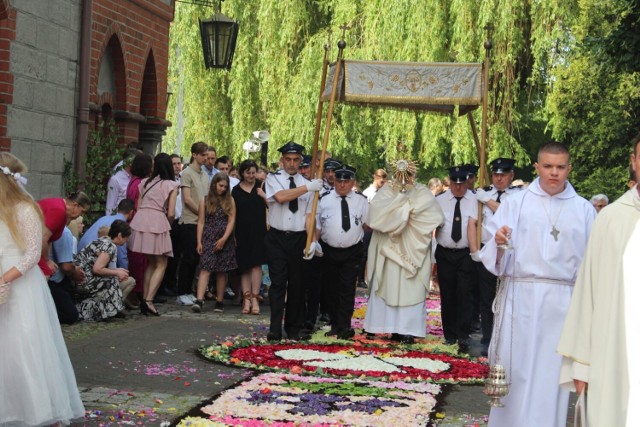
column 399, row 258
column 600, row 343
column 547, row 226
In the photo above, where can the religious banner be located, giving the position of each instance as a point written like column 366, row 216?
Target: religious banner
column 436, row 87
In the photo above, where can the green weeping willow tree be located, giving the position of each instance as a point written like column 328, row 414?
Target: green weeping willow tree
column 275, row 79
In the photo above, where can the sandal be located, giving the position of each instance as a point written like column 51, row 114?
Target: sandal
column 255, row 305
column 246, row 302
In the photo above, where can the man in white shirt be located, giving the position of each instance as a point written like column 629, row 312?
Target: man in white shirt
column 490, row 197
column 379, row 179
column 289, row 195
column 456, row 271
column 340, row 223
column 119, row 181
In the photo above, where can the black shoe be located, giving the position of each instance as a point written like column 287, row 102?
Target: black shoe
column 166, row 292
column 370, row 335
column 331, row 333
column 309, row 326
column 450, row 341
column 274, row 337
column 404, row 339
column 324, row 317
column 197, row 307
column 346, row 334
column 485, row 350
column 362, row 284
column 219, row 307
column 298, row 336
column 463, row 346
column 120, row 315
column 159, row 300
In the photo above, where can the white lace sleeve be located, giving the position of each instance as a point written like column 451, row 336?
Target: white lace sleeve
column 31, row 227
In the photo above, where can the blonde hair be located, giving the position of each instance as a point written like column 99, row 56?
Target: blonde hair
column 104, row 230
column 13, row 195
column 213, row 200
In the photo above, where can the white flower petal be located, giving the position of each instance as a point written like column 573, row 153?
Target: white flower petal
column 419, row 363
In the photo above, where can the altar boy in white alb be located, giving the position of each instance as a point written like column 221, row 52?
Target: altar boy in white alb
column 547, row 227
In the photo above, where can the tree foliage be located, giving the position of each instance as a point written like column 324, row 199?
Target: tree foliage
column 542, row 72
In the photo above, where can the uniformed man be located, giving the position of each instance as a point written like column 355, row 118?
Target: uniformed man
column 305, row 166
column 328, row 174
column 456, row 270
column 472, row 176
column 340, row 228
column 288, row 194
column 490, row 197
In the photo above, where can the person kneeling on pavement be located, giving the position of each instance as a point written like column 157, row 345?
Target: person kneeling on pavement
column 100, row 296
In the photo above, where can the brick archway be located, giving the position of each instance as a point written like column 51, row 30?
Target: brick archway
column 4, row 9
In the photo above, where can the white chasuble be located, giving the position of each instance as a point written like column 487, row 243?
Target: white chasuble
column 600, row 342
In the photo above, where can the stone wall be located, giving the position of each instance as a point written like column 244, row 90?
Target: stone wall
column 40, row 120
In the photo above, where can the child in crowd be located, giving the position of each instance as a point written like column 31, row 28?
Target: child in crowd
column 216, row 244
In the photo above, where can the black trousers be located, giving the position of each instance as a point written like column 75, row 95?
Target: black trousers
column 65, row 305
column 341, row 266
column 366, row 240
column 171, row 273
column 188, row 235
column 313, row 283
column 457, row 275
column 286, row 268
column 487, row 283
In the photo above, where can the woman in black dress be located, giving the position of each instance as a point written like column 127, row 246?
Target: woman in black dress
column 251, row 228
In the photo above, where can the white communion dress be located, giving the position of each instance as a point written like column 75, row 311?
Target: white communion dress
column 37, row 382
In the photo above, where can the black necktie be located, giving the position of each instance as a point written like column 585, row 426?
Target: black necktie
column 346, row 221
column 500, row 193
column 293, row 204
column 456, row 229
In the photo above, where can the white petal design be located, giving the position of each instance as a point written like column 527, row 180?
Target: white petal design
column 434, row 366
column 301, row 354
column 360, row 363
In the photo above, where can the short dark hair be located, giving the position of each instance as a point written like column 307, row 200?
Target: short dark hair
column 142, row 165
column 223, row 159
column 199, row 148
column 246, row 164
column 119, row 227
column 176, row 156
column 553, row 147
column 129, row 154
column 126, row 205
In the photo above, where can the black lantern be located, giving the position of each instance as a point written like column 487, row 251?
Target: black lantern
column 218, row 40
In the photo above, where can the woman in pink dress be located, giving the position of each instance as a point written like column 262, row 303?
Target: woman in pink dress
column 150, row 227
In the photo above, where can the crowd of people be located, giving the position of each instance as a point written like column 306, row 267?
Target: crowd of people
column 507, row 259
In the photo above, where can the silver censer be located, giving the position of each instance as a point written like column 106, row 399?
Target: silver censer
column 496, row 386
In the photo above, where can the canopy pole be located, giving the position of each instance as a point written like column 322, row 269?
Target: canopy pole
column 474, row 132
column 327, row 128
column 316, row 135
column 483, row 138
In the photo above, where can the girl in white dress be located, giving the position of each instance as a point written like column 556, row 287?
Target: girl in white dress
column 37, row 383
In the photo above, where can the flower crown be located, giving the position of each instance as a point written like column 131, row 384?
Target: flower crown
column 15, row 175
